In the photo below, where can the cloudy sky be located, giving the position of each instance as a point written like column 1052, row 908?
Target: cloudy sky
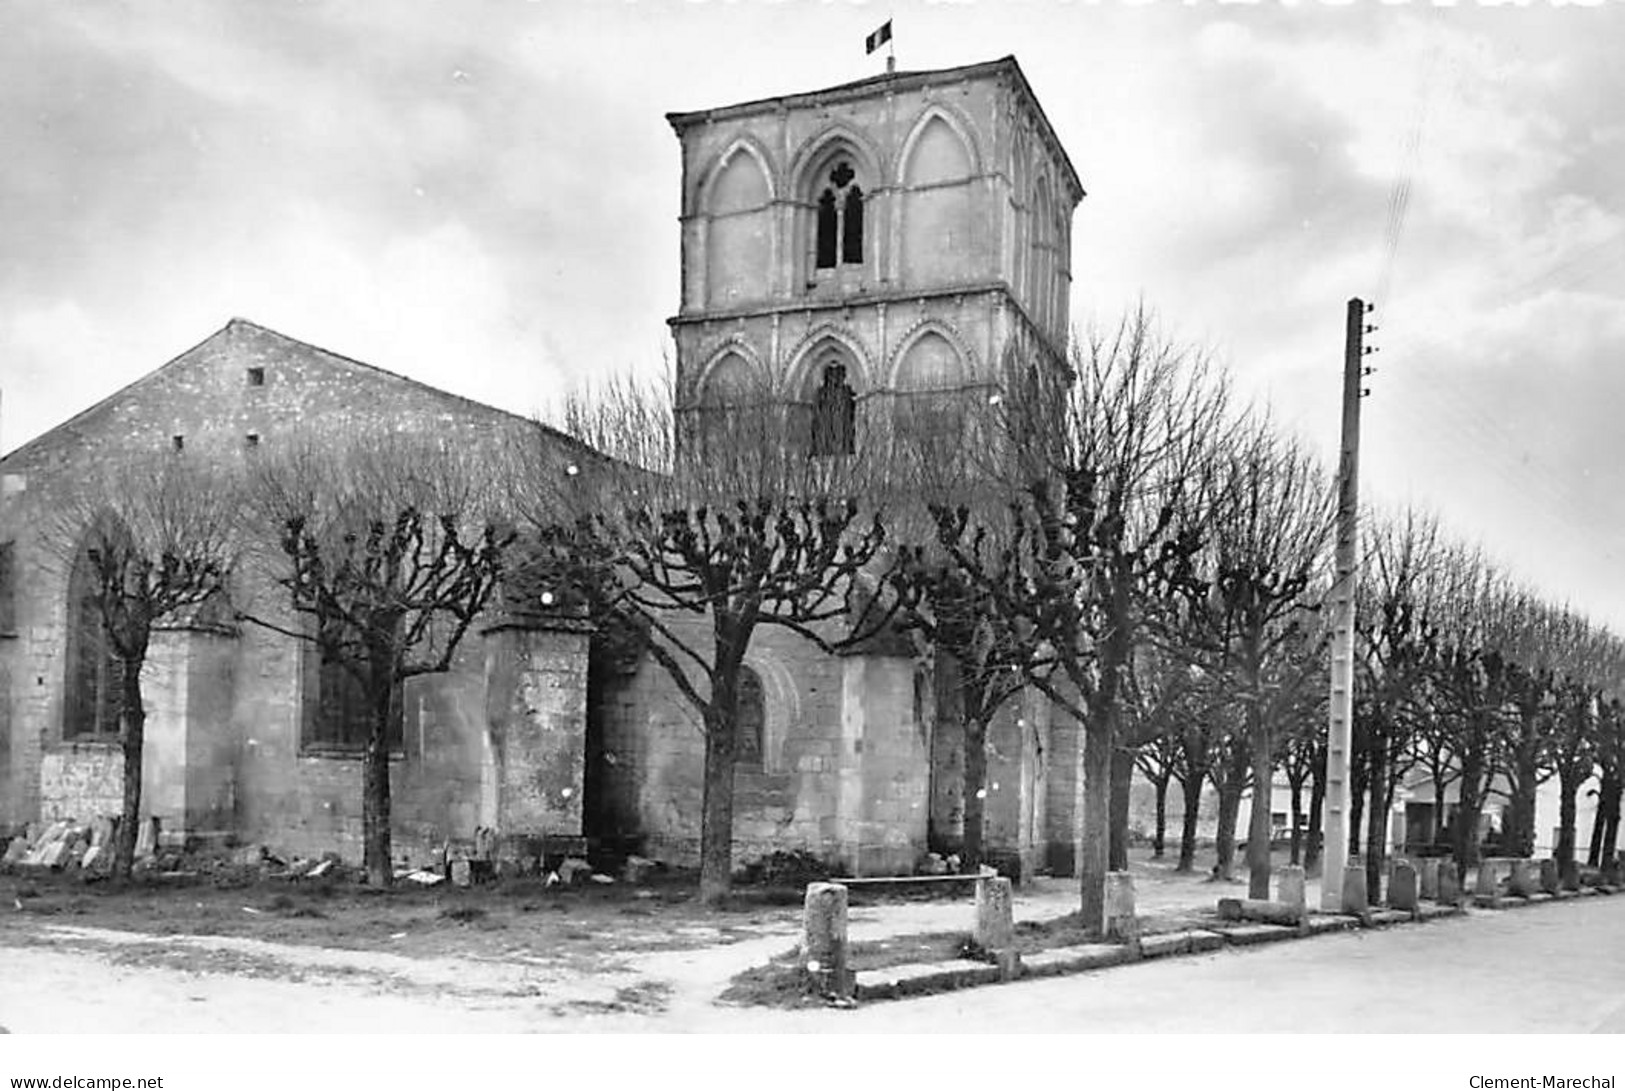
column 484, row 196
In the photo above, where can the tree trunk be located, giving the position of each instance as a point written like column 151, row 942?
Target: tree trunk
column 1122, row 782
column 1608, row 799
column 1258, row 826
column 1376, row 834
column 717, row 802
column 1359, row 778
column 1519, row 835
column 1317, row 804
column 1296, row 803
column 1094, row 858
column 1464, row 835
column 133, row 722
column 375, row 804
column 1190, row 790
column 1229, row 809
column 1567, row 818
column 975, row 803
column 1160, row 839
column 1234, row 780
column 1440, row 833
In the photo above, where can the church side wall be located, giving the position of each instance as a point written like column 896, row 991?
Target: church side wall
column 244, row 757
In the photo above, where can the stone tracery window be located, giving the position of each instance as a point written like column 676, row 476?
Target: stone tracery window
column 840, row 220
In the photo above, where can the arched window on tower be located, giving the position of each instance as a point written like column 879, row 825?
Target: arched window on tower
column 834, row 414
column 840, row 220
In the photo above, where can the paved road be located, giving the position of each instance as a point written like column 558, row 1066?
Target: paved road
column 1542, row 969
column 1556, row 968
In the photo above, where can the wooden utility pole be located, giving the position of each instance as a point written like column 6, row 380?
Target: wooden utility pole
column 1339, row 735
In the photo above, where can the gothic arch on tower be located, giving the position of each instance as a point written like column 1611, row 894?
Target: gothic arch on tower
column 709, row 194
column 932, row 377
column 1041, row 255
column 836, row 177
column 731, row 370
column 952, row 363
column 735, row 198
column 936, row 177
column 729, row 400
column 828, row 374
column 964, row 152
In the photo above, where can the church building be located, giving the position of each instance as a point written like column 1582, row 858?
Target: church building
column 856, row 251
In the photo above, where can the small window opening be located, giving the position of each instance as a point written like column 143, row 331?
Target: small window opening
column 826, row 230
column 834, row 413
column 256, row 376
column 178, row 442
column 852, row 228
column 252, row 440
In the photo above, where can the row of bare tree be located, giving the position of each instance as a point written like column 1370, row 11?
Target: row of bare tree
column 1127, row 541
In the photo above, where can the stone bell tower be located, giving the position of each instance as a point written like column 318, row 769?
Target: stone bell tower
column 859, row 249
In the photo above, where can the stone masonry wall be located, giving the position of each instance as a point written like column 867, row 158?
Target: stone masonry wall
column 250, row 763
column 818, row 789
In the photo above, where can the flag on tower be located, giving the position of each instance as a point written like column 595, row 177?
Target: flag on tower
column 878, row 38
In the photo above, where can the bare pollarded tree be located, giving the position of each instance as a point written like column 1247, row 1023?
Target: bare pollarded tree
column 1263, row 579
column 385, row 548
column 1121, row 509
column 702, row 528
column 143, row 544
column 1394, row 621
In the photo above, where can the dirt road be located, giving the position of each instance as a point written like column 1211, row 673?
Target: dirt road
column 1552, row 969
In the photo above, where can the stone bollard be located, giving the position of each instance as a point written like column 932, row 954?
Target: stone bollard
column 1289, row 890
column 1610, row 870
column 1428, row 879
column 1121, row 923
column 995, row 925
column 1488, row 887
column 823, row 939
column 1568, row 874
column 1548, row 876
column 1449, row 883
column 1523, row 878
column 1402, row 887
column 1354, row 899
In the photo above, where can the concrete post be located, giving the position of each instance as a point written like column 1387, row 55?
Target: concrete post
column 1488, row 886
column 1523, row 878
column 1354, row 899
column 1548, row 876
column 1289, row 889
column 823, row 939
column 1121, row 923
column 1402, row 892
column 1429, row 879
column 995, row 923
column 1568, row 875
